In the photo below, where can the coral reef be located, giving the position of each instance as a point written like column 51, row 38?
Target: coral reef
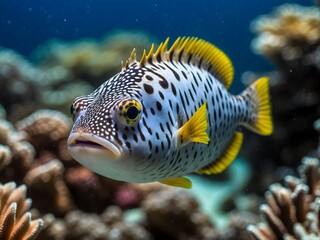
column 76, row 203
column 175, row 214
column 63, row 191
column 289, row 37
column 292, row 211
column 15, row 221
column 17, row 155
column 47, row 131
column 66, row 71
column 79, row 225
column 92, row 60
column 26, row 88
column 91, row 192
column 47, row 181
column 19, row 90
column 288, row 34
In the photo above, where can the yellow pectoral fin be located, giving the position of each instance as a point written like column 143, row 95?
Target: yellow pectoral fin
column 177, row 182
column 195, row 130
column 226, row 158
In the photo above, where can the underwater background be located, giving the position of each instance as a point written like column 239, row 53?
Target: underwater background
column 52, row 51
column 28, row 24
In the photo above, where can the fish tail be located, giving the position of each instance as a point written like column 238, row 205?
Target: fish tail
column 257, row 100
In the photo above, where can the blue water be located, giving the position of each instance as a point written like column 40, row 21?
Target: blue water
column 24, row 24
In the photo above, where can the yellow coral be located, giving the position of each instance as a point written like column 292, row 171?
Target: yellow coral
column 286, row 31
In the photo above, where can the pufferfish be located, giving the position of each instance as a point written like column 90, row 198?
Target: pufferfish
column 167, row 115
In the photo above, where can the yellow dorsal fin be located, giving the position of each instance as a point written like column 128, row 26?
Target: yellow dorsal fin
column 195, row 130
column 175, row 45
column 143, row 59
column 132, row 58
column 150, row 51
column 226, row 158
column 193, row 51
column 164, row 46
column 158, row 51
column 199, row 53
column 177, row 182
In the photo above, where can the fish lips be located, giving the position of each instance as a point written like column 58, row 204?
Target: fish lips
column 84, row 145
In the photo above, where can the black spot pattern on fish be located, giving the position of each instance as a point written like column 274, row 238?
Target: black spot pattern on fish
column 159, row 106
column 149, row 77
column 148, row 88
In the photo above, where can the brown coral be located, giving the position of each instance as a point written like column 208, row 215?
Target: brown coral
column 292, row 211
column 47, row 181
column 19, row 91
column 118, row 228
column 79, row 225
column 5, row 156
column 47, row 131
column 17, row 155
column 91, row 192
column 15, row 221
column 26, row 87
column 175, row 213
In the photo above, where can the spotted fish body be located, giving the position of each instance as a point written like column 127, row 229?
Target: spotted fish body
column 167, row 115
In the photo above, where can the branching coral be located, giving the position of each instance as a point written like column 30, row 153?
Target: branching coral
column 15, row 221
column 292, row 211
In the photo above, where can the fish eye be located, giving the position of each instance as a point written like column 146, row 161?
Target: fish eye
column 72, row 112
column 129, row 111
column 132, row 112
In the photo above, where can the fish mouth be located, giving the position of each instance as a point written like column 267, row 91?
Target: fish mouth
column 87, row 142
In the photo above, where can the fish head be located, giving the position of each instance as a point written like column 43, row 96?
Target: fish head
column 106, row 126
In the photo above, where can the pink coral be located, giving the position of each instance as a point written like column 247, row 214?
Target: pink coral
column 126, row 197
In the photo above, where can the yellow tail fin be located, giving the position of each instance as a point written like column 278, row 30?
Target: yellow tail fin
column 258, row 99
